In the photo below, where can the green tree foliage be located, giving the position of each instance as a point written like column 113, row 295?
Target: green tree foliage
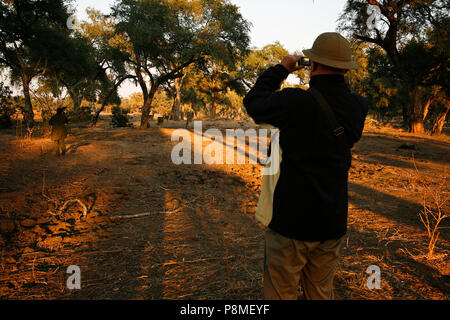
column 260, row 59
column 163, row 37
column 270, row 55
column 233, row 108
column 110, row 61
column 134, row 102
column 30, row 34
column 120, row 117
column 218, row 80
column 356, row 77
column 162, row 103
column 6, row 107
column 376, row 80
column 74, row 69
column 218, row 90
column 403, row 35
column 47, row 98
column 191, row 90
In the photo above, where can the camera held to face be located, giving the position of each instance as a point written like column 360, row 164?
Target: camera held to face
column 304, row 62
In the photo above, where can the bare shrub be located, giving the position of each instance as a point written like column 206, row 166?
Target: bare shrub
column 435, row 196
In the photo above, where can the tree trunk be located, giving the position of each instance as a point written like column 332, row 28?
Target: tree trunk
column 415, row 112
column 214, row 105
column 97, row 115
column 77, row 104
column 77, row 99
column 440, row 120
column 177, row 102
column 145, row 118
column 28, row 114
column 405, row 115
column 171, row 113
column 426, row 109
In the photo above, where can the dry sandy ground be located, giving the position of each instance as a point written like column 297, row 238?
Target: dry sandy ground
column 197, row 237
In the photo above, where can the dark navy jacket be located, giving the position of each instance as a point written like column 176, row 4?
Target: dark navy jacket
column 311, row 196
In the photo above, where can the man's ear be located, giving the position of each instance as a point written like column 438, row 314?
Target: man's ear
column 313, row 66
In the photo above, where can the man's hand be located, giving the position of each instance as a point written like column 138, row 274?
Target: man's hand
column 290, row 63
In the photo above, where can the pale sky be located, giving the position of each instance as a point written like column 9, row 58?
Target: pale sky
column 294, row 23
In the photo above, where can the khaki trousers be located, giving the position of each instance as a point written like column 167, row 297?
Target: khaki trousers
column 288, row 262
column 60, row 147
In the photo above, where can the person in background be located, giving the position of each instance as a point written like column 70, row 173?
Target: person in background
column 59, row 131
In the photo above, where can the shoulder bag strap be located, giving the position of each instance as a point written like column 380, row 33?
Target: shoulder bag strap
column 338, row 130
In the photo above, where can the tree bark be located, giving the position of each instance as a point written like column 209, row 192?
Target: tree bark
column 145, row 118
column 426, row 109
column 416, row 112
column 405, row 115
column 76, row 99
column 97, row 115
column 440, row 120
column 177, row 101
column 27, row 111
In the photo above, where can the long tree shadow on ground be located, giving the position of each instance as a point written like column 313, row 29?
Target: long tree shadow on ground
column 402, row 211
column 380, row 148
column 197, row 244
column 402, row 276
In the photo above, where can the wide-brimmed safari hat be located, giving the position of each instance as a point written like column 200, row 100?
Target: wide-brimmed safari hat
column 332, row 49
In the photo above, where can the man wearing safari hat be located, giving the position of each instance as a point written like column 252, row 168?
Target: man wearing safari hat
column 318, row 128
column 59, row 131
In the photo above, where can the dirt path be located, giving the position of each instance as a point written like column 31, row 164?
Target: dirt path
column 198, row 238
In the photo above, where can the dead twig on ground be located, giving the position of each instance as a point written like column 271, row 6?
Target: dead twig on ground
column 82, row 205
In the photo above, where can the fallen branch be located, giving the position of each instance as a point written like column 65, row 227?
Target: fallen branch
column 137, row 215
column 146, row 214
column 192, row 261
